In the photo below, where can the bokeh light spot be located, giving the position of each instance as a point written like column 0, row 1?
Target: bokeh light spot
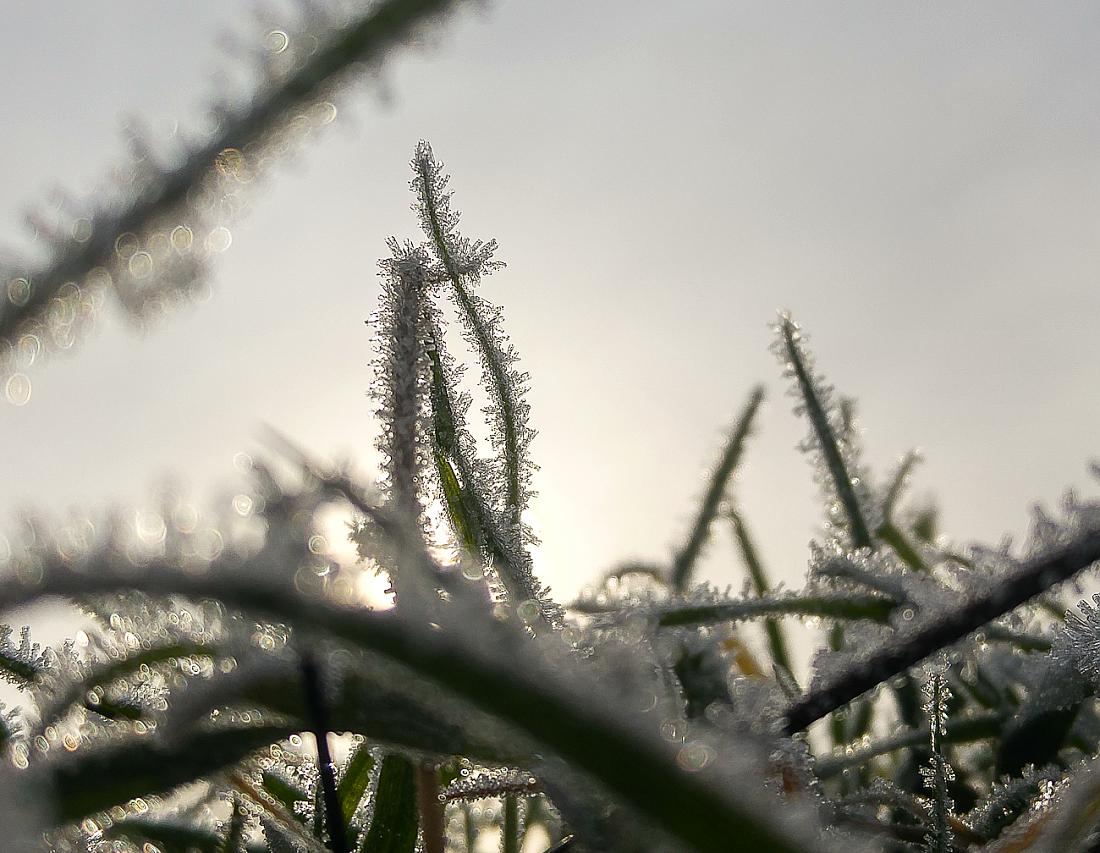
column 276, row 41
column 17, row 389
column 219, row 239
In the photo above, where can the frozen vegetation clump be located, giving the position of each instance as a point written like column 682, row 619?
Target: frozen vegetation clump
column 233, row 692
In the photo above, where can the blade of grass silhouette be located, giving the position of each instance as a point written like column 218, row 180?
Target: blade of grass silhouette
column 683, row 563
column 503, row 526
column 511, row 837
column 751, row 558
column 315, row 703
column 827, row 443
column 873, row 607
column 100, row 780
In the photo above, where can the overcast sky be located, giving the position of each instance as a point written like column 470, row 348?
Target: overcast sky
column 917, row 182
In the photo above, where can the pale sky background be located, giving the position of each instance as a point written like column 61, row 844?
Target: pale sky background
column 919, row 183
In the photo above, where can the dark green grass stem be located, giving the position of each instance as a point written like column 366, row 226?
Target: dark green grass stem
column 1033, row 578
column 774, row 631
column 683, row 563
column 893, row 536
column 819, row 422
column 318, row 718
column 873, row 607
column 512, row 839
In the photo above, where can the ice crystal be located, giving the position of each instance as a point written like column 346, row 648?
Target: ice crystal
column 939, row 773
column 490, row 782
column 20, row 664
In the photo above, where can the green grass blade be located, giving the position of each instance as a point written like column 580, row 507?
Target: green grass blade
column 892, row 535
column 355, row 780
column 683, row 563
column 777, row 643
column 503, row 383
column 393, row 826
column 898, row 482
column 511, row 840
column 822, row 430
column 98, row 780
column 875, row 608
column 102, row 676
column 283, row 791
column 170, row 836
column 465, row 492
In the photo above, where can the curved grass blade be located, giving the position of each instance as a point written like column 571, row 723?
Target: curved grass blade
column 96, row 780
column 102, row 675
column 19, row 664
column 169, row 836
column 504, row 383
column 462, row 263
